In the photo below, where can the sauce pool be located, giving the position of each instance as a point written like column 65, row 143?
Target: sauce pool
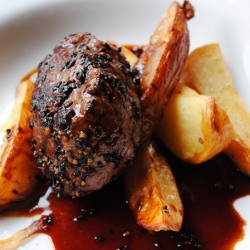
column 103, row 220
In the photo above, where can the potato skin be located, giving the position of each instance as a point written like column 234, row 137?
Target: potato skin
column 150, row 185
column 18, row 170
column 161, row 63
column 152, row 191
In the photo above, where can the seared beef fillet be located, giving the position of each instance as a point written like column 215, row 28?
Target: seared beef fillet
column 86, row 114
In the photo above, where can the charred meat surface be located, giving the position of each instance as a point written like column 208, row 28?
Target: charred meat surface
column 86, row 114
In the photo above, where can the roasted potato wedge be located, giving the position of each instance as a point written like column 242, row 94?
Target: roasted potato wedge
column 152, row 192
column 207, row 73
column 161, row 63
column 193, row 127
column 18, row 169
column 130, row 56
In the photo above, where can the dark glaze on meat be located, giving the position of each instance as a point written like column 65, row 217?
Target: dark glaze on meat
column 86, row 114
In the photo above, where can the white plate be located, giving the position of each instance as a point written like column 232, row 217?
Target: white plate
column 30, row 29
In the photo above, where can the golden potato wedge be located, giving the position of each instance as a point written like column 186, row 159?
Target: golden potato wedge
column 130, row 56
column 193, row 127
column 126, row 51
column 152, row 192
column 207, row 73
column 18, row 169
column 161, row 63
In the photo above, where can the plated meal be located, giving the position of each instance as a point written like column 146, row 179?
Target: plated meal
column 130, row 146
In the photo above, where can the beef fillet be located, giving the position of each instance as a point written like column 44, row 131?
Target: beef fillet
column 86, row 114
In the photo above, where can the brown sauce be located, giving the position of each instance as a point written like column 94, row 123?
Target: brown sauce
column 103, row 220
